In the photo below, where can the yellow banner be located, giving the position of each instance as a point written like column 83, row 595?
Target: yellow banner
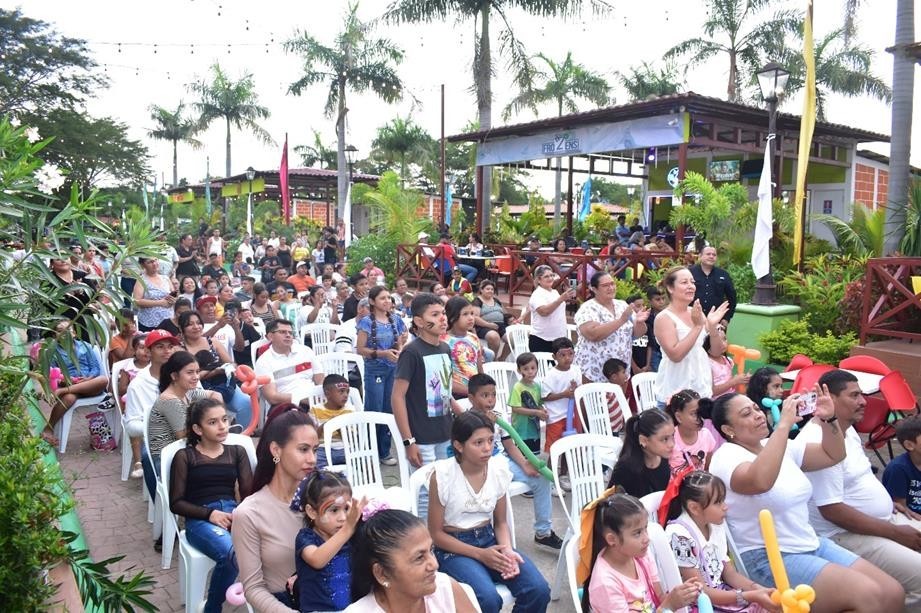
column 807, row 125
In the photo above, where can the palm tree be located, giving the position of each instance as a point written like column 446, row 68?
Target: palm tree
column 399, row 138
column 864, row 235
column 646, row 81
column 174, row 127
column 316, row 153
column 356, row 61
column 843, row 70
column 561, row 84
column 480, row 13
column 903, row 84
column 734, row 28
column 236, row 102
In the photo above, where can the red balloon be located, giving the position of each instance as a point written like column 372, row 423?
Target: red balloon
column 249, row 388
column 244, row 372
column 263, row 379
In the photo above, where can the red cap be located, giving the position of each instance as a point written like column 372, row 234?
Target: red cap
column 205, row 300
column 156, row 336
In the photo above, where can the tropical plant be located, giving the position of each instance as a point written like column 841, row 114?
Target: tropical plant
column 821, row 286
column 235, row 102
column 400, row 138
column 737, row 29
column 356, row 61
column 796, row 336
column 395, row 211
column 716, row 213
column 647, row 81
column 841, row 67
column 561, row 83
column 599, row 223
column 317, row 153
column 481, row 13
column 175, row 127
column 911, row 240
column 863, row 236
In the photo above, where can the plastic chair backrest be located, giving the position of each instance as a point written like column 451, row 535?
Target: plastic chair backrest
column 322, row 337
column 545, row 364
column 644, row 390
column 809, row 376
column 669, row 574
column 317, row 397
column 798, row 362
column 865, row 363
column 916, row 284
column 652, row 502
column 359, row 439
column 875, row 414
column 592, row 404
column 897, row 392
column 117, row 369
column 504, row 264
column 255, row 347
column 572, row 562
column 582, row 453
column 517, row 335
column 336, row 358
column 505, row 375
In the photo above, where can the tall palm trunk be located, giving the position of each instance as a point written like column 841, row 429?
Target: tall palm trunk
column 227, row 174
column 228, row 146
column 482, row 76
column 732, row 90
column 903, row 82
column 342, row 170
column 175, row 166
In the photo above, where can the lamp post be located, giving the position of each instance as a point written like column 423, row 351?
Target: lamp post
column 773, row 80
column 250, row 175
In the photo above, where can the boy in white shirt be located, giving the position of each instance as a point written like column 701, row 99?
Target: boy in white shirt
column 558, row 389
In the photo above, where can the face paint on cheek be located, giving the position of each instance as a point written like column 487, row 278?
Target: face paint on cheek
column 429, row 325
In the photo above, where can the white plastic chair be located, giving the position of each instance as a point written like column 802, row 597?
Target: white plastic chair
column 421, row 479
column 155, row 504
column 669, row 574
column 322, row 337
column 644, row 390
column 571, row 551
column 117, row 369
column 359, row 438
column 545, row 364
column 505, row 375
column 573, row 332
column 652, row 502
column 517, row 337
column 339, row 363
column 592, row 404
column 254, row 348
column 62, row 428
column 583, row 455
column 318, row 397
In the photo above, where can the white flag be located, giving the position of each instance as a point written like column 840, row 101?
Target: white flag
column 761, row 250
column 347, row 215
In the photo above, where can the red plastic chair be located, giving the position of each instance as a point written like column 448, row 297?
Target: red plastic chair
column 898, row 393
column 799, row 362
column 865, row 363
column 809, row 376
column 875, row 425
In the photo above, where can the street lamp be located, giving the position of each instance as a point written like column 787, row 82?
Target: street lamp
column 773, row 80
column 350, row 152
column 250, row 175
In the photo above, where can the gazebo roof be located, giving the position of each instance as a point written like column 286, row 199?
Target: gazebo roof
column 313, row 183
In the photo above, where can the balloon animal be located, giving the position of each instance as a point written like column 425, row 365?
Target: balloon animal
column 798, row 600
column 249, row 384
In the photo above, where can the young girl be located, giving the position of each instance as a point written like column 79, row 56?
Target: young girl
column 204, row 478
column 322, row 548
column 140, row 362
column 466, row 351
column 697, row 536
column 721, row 366
column 642, row 467
column 765, row 383
column 694, row 444
column 467, row 518
column 620, row 570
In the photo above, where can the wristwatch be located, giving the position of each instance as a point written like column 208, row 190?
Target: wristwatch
column 831, row 419
column 408, row 442
column 740, row 599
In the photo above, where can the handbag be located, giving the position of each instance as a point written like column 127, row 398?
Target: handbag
column 101, row 438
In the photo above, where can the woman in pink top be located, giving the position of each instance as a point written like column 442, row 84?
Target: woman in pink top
column 694, row 444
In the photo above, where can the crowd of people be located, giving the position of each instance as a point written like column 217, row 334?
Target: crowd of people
column 192, row 321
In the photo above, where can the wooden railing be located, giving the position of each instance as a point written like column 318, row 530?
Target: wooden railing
column 890, row 306
column 416, row 264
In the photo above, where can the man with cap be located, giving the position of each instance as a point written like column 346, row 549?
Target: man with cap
column 292, row 366
column 301, row 280
column 142, row 393
column 213, row 269
column 360, row 287
column 370, row 269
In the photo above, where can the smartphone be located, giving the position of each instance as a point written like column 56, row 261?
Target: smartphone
column 231, row 313
column 806, row 404
column 573, row 284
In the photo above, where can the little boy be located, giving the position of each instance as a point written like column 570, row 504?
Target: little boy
column 525, row 402
column 336, row 390
column 482, row 395
column 640, row 355
column 902, row 476
column 656, row 303
column 558, row 389
column 615, row 371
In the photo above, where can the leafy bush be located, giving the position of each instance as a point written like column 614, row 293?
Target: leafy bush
column 743, row 279
column 379, row 247
column 793, row 337
column 627, row 287
column 820, row 289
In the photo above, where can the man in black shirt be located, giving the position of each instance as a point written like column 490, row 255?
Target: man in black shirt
column 330, row 250
column 278, row 279
column 714, row 285
column 268, row 264
column 213, row 269
column 186, row 252
column 250, row 336
column 360, row 288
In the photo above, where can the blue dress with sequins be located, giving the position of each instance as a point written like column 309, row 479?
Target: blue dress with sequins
column 327, row 589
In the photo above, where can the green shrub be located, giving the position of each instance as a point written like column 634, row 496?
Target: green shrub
column 820, row 289
column 379, row 247
column 743, row 279
column 793, row 337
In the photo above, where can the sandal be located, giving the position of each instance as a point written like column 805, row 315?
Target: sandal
column 138, row 471
column 50, row 438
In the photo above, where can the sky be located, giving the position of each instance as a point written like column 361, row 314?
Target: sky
column 146, row 49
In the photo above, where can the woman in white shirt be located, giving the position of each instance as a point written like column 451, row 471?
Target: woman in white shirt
column 768, row 474
column 395, row 569
column 548, row 311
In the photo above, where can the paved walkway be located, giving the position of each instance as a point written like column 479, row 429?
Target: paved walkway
column 114, row 518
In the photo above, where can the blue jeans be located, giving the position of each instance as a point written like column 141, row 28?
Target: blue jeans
column 540, row 487
column 530, row 589
column 151, row 473
column 241, row 407
column 378, row 388
column 215, row 542
column 470, row 273
column 338, row 456
column 655, row 360
column 429, row 453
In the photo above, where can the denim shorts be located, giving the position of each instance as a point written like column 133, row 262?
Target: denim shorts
column 801, row 567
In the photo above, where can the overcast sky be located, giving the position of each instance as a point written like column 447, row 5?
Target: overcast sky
column 142, row 74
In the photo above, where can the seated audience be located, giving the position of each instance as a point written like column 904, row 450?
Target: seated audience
column 291, row 365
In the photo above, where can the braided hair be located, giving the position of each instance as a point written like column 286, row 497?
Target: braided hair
column 372, row 339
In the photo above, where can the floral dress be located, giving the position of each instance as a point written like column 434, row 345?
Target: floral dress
column 591, row 355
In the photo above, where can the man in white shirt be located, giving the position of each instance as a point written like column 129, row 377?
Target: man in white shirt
column 851, row 507
column 247, row 250
column 292, row 366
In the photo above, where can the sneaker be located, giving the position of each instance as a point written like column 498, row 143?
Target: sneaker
column 158, row 544
column 389, row 461
column 565, row 484
column 528, row 494
column 556, row 493
column 138, row 471
column 551, row 540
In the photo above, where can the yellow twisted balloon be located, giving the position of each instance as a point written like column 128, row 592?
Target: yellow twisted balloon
column 791, row 600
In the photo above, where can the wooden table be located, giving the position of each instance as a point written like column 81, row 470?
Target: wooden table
column 867, row 381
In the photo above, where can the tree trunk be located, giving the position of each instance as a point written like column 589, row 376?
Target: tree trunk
column 342, row 167
column 732, row 91
column 903, row 82
column 558, row 180
column 227, row 174
column 175, row 168
column 482, row 75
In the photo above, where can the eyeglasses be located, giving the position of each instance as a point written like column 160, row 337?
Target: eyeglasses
column 284, row 332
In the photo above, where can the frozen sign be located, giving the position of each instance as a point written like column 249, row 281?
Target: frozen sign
column 567, row 142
